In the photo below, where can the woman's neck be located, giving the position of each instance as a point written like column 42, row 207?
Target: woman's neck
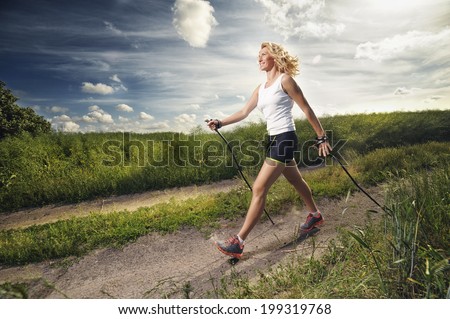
column 272, row 74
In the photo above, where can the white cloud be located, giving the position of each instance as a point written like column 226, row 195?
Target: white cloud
column 121, row 87
column 93, row 63
column 109, row 26
column 98, row 88
column 402, row 91
column 117, row 87
column 185, row 118
column 317, row 59
column 195, row 106
column 442, row 82
column 100, row 117
column 115, row 78
column 241, row 97
column 123, row 119
column 89, row 119
column 64, row 123
column 70, row 127
column 94, row 108
column 124, row 108
column 62, row 118
column 146, row 117
column 302, row 18
column 400, row 44
column 97, row 115
column 193, row 20
column 57, row 109
column 433, row 98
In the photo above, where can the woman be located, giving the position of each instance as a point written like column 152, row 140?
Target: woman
column 275, row 98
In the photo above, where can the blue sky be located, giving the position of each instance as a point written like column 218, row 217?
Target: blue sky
column 145, row 66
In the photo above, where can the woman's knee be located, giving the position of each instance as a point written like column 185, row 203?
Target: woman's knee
column 259, row 189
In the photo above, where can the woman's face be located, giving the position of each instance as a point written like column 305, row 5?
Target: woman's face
column 265, row 60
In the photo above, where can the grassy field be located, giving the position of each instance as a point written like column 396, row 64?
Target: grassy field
column 77, row 236
column 404, row 257
column 69, row 168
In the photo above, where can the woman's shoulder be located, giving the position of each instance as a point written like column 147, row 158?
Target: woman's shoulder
column 288, row 82
column 285, row 78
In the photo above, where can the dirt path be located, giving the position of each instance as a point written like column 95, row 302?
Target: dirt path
column 51, row 213
column 185, row 262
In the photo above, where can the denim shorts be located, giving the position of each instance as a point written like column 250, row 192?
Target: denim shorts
column 281, row 147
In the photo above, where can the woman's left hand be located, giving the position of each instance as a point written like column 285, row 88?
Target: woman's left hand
column 324, row 149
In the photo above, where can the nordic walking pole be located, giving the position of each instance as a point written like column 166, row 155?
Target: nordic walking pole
column 356, row 183
column 384, row 208
column 239, row 167
column 322, row 140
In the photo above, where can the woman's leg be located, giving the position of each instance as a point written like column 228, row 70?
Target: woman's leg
column 293, row 175
column 268, row 174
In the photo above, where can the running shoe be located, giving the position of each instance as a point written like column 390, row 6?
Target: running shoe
column 311, row 222
column 231, row 247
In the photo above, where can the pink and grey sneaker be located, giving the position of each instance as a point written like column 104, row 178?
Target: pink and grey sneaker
column 231, row 247
column 311, row 222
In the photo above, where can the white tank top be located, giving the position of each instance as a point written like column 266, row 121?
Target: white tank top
column 276, row 106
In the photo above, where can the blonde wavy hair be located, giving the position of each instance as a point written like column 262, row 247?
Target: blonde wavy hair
column 285, row 62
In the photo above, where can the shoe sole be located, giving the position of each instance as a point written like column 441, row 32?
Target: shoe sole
column 314, row 225
column 234, row 255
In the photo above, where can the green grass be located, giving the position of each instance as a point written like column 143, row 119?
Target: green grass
column 406, row 256
column 77, row 236
column 418, row 230
column 68, row 168
column 343, row 272
column 369, row 262
column 59, row 168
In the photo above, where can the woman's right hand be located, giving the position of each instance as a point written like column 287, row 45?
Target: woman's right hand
column 213, row 124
